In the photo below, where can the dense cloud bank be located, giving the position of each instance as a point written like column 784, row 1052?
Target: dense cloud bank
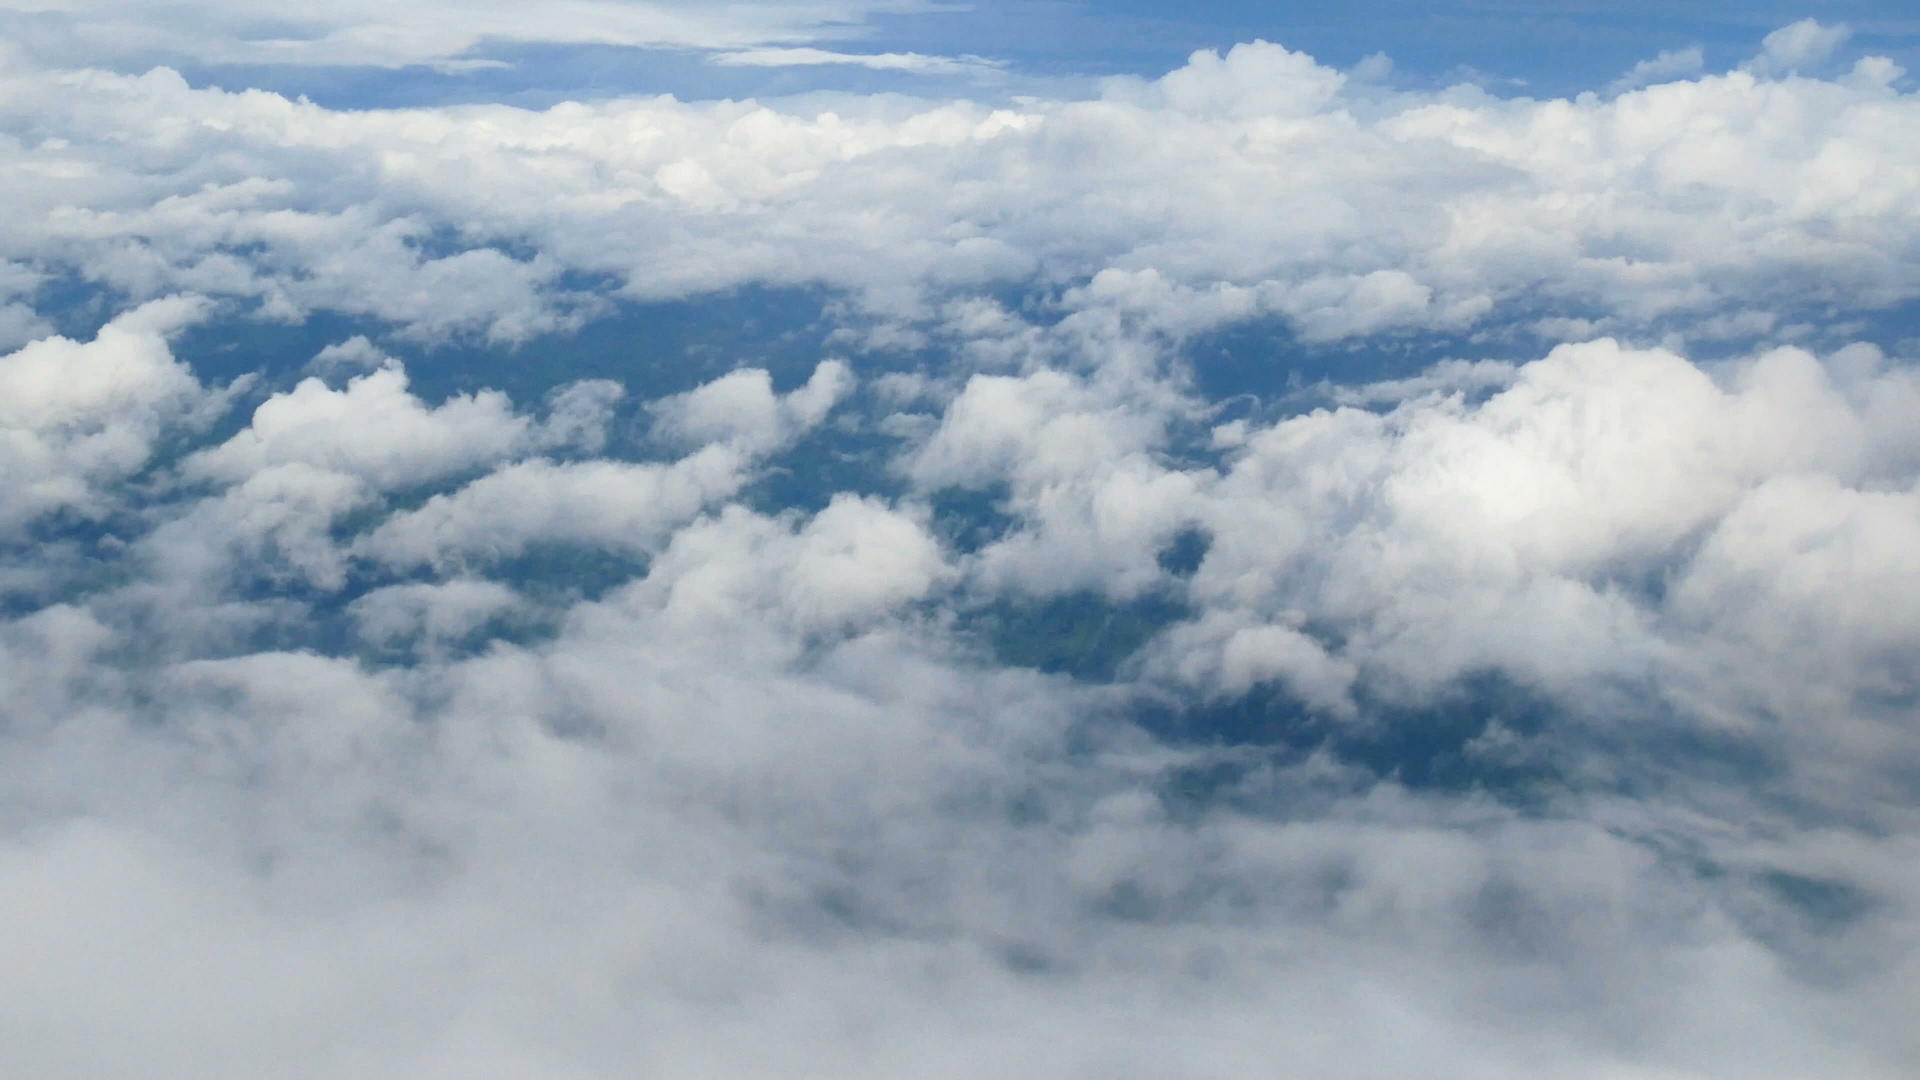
column 1545, row 710
column 1255, row 182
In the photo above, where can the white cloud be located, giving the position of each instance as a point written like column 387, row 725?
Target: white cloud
column 76, row 417
column 1814, row 575
column 1598, row 524
column 1798, row 46
column 434, row 612
column 1573, row 522
column 741, row 408
column 276, row 524
column 441, row 34
column 374, row 429
column 1079, row 464
column 762, row 795
column 854, row 560
column 1256, row 79
column 734, row 421
column 1416, row 212
column 20, row 324
column 626, row 507
column 1228, row 653
column 1670, row 65
column 770, row 805
column 914, row 63
column 579, row 414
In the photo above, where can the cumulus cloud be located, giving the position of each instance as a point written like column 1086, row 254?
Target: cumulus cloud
column 741, row 408
column 1577, row 523
column 373, row 429
column 733, row 422
column 77, row 417
column 1799, row 46
column 1418, row 212
column 602, row 503
column 855, row 559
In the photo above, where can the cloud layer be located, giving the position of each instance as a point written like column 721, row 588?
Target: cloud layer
column 989, row 692
column 448, row 34
column 1250, row 182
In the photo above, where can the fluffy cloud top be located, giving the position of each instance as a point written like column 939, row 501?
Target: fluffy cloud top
column 1346, row 210
column 1802, row 45
column 76, row 417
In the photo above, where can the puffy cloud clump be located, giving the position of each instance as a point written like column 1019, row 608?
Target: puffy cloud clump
column 1556, row 525
column 1617, row 527
column 373, row 429
column 742, row 408
column 77, row 418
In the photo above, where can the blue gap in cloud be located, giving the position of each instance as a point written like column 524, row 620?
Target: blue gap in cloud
column 1430, row 745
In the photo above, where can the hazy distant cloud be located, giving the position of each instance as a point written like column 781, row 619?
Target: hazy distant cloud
column 441, row 33
column 432, row 612
column 914, row 63
column 1791, row 49
column 1669, row 65
column 1421, row 212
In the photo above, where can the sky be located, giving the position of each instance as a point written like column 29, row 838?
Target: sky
column 893, row 538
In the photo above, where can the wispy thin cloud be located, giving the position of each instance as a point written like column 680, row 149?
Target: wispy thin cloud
column 914, row 63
